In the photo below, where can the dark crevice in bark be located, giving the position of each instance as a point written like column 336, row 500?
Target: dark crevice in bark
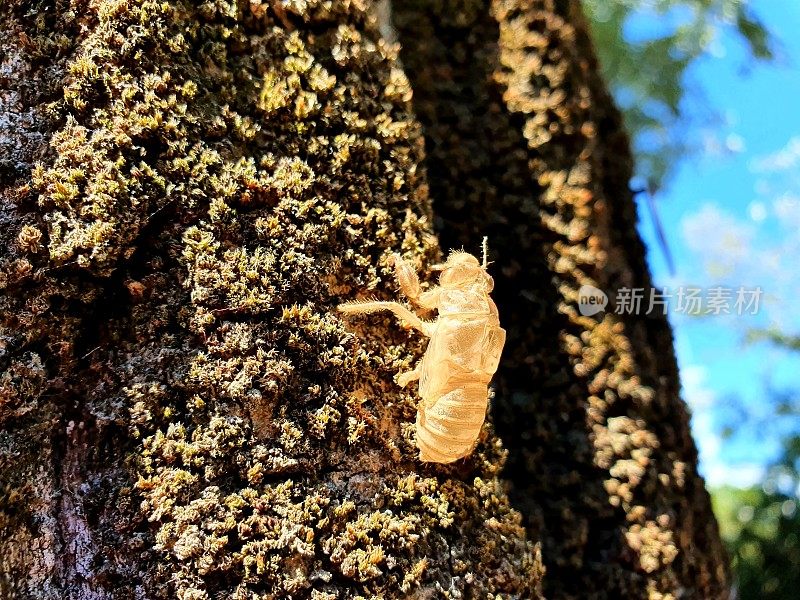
column 514, row 237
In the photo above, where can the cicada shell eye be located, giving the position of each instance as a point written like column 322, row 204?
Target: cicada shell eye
column 459, row 257
column 489, row 282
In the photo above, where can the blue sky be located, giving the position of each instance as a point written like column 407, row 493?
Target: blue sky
column 731, row 215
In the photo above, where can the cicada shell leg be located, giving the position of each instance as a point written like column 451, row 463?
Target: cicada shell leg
column 400, row 311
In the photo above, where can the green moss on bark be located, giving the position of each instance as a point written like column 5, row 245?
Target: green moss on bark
column 216, row 178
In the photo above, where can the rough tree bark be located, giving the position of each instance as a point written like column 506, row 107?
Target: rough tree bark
column 187, row 190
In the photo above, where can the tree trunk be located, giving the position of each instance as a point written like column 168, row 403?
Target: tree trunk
column 189, row 189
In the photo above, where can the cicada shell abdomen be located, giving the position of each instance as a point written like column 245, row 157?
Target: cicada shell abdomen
column 448, row 427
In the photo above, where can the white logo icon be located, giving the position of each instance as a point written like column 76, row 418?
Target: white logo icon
column 591, row 300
